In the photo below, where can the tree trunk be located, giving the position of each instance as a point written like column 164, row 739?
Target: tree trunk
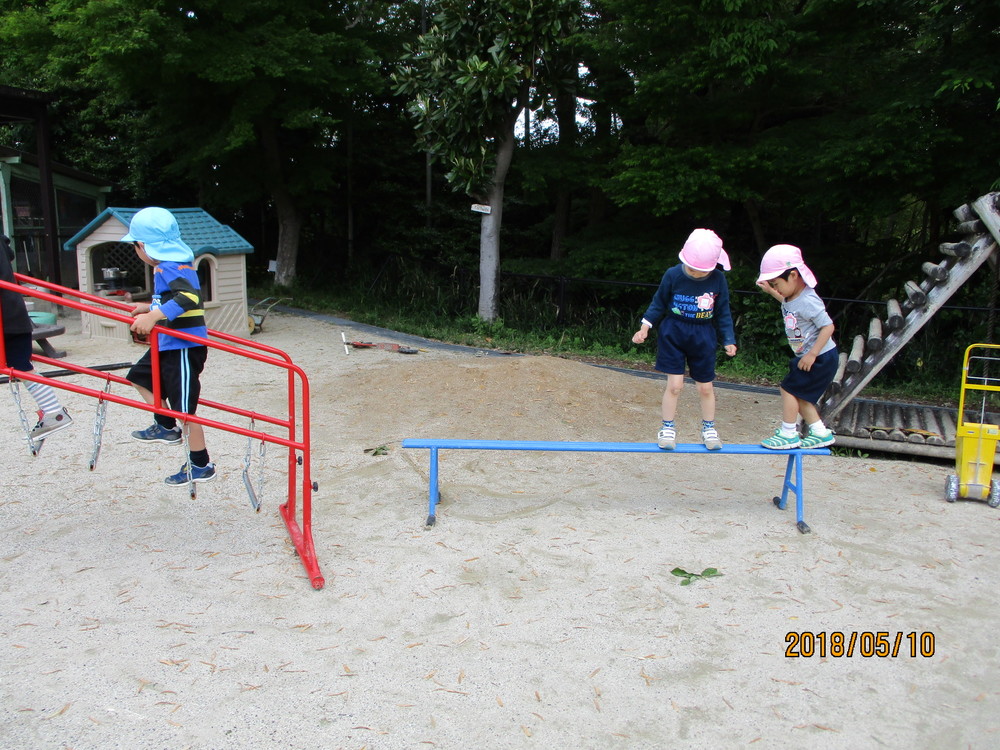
column 289, row 219
column 566, row 114
column 560, row 223
column 489, row 228
column 753, row 215
column 289, row 231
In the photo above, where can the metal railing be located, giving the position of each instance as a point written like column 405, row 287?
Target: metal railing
column 295, row 424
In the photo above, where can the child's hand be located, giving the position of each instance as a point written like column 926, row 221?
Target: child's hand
column 143, row 322
column 806, row 362
column 640, row 336
column 766, row 287
column 730, row 349
column 140, row 308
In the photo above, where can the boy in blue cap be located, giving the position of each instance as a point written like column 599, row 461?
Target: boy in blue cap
column 176, row 304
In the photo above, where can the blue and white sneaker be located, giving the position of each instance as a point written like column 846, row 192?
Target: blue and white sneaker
column 158, row 434
column 198, row 474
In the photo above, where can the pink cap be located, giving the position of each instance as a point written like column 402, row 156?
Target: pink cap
column 703, row 251
column 781, row 258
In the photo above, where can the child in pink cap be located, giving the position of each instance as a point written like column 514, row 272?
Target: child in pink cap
column 690, row 311
column 785, row 276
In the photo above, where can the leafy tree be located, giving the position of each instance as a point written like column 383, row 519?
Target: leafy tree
column 470, row 77
column 813, row 119
column 246, row 97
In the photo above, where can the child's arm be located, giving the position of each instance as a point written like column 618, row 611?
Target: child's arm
column 640, row 336
column 145, row 321
column 807, row 359
column 723, row 320
column 770, row 290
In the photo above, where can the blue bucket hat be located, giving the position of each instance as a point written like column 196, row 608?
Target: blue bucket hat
column 156, row 228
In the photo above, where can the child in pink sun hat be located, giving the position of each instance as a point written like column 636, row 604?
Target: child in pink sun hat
column 809, row 328
column 690, row 311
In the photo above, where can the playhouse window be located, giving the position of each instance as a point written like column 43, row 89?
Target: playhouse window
column 206, row 275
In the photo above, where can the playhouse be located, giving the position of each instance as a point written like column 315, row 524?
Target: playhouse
column 110, row 268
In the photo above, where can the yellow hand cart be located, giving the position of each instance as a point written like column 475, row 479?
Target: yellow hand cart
column 976, row 442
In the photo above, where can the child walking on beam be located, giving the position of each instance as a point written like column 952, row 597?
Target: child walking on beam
column 809, row 328
column 690, row 311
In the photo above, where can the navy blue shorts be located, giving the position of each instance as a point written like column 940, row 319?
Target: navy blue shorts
column 810, row 386
column 693, row 344
column 17, row 347
column 179, row 371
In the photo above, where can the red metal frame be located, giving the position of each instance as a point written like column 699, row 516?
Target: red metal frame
column 297, row 441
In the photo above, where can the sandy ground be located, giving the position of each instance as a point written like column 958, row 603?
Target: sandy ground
column 540, row 611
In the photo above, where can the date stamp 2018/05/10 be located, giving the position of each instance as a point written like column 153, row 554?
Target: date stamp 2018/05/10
column 837, row 644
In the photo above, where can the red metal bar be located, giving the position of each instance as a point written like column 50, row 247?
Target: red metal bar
column 297, row 441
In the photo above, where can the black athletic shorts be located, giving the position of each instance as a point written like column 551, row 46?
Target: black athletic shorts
column 179, row 371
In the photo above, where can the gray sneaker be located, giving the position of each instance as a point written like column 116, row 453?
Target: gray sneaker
column 666, row 438
column 51, row 422
column 710, row 437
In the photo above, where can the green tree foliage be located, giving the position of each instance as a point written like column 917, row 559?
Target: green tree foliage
column 245, row 98
column 802, row 114
column 469, row 78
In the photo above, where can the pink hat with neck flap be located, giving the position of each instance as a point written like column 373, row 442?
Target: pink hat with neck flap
column 781, row 258
column 703, row 251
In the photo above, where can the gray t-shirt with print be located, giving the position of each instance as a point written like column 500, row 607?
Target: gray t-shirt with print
column 803, row 317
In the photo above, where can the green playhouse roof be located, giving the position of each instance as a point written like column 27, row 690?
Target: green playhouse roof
column 199, row 229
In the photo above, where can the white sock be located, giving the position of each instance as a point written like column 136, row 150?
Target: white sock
column 818, row 427
column 788, row 429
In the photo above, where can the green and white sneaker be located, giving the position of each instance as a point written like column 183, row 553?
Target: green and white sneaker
column 819, row 439
column 778, row 442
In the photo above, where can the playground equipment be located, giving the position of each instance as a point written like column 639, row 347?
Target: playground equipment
column 259, row 311
column 290, row 430
column 794, row 465
column 976, row 442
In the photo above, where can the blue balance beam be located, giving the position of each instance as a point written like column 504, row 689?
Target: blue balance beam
column 794, row 460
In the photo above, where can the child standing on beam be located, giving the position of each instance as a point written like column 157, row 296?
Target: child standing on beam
column 690, row 311
column 809, row 329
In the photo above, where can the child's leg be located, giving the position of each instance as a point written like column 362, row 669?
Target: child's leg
column 53, row 416
column 167, row 423
column 709, row 435
column 666, row 438
column 45, row 396
column 18, row 350
column 196, row 436
column 706, row 395
column 809, row 412
column 675, row 384
column 789, row 407
column 819, row 435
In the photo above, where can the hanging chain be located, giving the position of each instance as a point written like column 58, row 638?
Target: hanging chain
column 187, row 459
column 102, row 409
column 254, row 496
column 261, row 455
column 33, row 446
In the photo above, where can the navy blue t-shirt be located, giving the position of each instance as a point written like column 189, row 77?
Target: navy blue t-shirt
column 697, row 301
